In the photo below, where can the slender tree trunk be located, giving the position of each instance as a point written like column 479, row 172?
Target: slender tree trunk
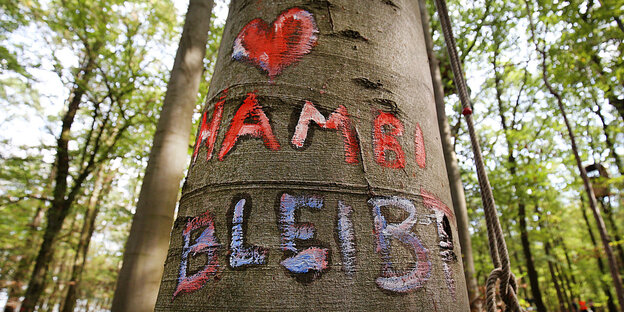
column 327, row 187
column 606, row 208
column 554, row 278
column 605, row 287
column 60, row 205
column 561, row 242
column 517, row 261
column 609, row 141
column 60, row 271
column 512, row 253
column 139, row 278
column 565, row 285
column 101, row 186
column 528, row 257
column 567, row 276
column 613, row 268
column 511, row 159
column 452, row 168
column 15, row 291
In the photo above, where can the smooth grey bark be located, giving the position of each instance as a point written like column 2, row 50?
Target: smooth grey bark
column 139, row 278
column 369, row 61
column 452, row 169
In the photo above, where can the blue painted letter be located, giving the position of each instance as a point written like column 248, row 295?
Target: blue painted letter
column 241, row 255
column 390, row 279
column 312, row 258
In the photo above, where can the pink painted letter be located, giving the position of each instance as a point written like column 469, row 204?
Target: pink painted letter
column 338, row 120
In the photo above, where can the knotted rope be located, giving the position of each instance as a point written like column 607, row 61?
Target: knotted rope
column 497, row 246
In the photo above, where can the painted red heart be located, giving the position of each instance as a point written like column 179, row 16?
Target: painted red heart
column 279, row 45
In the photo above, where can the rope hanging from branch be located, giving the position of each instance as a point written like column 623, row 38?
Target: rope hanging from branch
column 497, row 246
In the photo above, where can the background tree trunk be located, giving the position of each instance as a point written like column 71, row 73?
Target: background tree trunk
column 60, row 204
column 14, row 291
column 603, row 284
column 137, row 285
column 452, row 167
column 553, row 276
column 528, row 257
column 100, row 189
column 289, row 216
column 591, row 197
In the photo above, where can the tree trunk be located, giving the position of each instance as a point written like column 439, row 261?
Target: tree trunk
column 614, row 229
column 528, row 257
column 14, row 291
column 613, row 268
column 100, row 189
column 288, row 214
column 609, row 141
column 519, row 193
column 565, row 285
column 59, row 272
column 607, row 290
column 554, row 278
column 60, row 205
column 452, row 168
column 145, row 252
column 561, row 242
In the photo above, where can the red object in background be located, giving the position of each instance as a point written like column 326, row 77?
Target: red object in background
column 582, row 305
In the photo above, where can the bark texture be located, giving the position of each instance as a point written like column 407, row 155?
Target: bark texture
column 319, row 182
column 137, row 285
column 452, row 167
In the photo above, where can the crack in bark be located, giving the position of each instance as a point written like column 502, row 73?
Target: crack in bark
column 368, row 185
column 329, row 15
column 351, row 34
column 390, row 3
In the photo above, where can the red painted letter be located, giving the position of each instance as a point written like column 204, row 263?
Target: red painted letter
column 208, row 130
column 338, row 120
column 419, row 146
column 385, row 140
column 261, row 129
